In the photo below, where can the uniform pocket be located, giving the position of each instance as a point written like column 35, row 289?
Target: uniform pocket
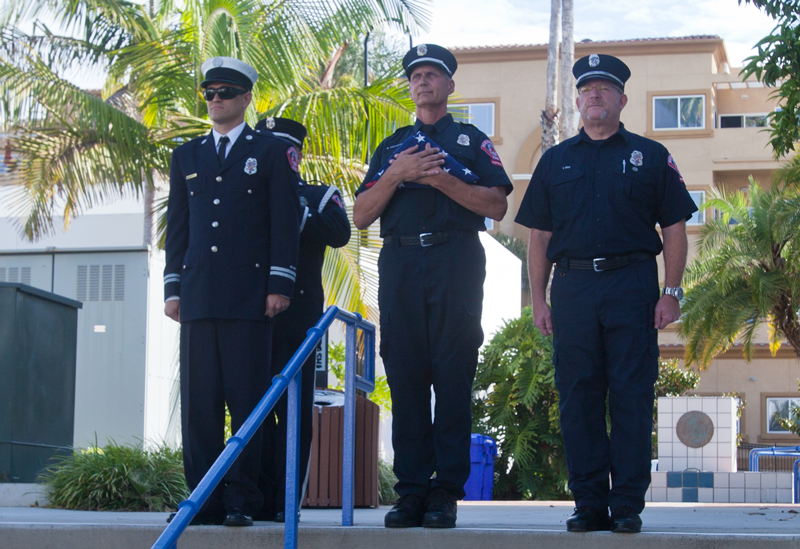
column 564, row 190
column 635, row 188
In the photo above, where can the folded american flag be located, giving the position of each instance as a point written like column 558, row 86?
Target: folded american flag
column 451, row 166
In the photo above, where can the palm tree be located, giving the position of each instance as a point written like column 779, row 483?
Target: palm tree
column 746, row 274
column 568, row 126
column 75, row 149
column 549, row 118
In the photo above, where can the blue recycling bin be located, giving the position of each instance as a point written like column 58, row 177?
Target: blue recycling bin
column 482, row 451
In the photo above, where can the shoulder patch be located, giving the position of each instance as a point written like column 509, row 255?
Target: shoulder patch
column 488, row 147
column 294, row 158
column 674, row 166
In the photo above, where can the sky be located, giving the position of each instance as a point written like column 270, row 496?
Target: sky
column 505, row 22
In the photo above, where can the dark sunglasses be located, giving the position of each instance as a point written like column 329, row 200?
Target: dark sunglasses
column 223, row 93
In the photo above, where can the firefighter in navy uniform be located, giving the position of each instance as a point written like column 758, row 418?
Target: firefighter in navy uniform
column 231, row 255
column 592, row 205
column 323, row 223
column 432, row 269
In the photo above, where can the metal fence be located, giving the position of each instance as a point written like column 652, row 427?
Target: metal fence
column 766, row 462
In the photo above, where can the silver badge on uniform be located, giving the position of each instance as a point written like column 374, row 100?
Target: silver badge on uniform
column 594, row 60
column 270, row 123
column 218, row 61
column 422, row 49
column 463, row 139
column 250, row 166
column 636, row 158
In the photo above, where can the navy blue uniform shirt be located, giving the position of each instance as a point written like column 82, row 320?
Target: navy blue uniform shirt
column 415, row 211
column 603, row 199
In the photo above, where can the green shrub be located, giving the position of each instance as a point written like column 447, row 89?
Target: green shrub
column 515, row 401
column 386, row 482
column 117, row 478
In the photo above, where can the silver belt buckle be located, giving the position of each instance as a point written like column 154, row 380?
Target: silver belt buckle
column 594, row 264
column 422, row 240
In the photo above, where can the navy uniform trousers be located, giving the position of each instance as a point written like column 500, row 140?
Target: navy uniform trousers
column 223, row 361
column 430, row 313
column 605, row 344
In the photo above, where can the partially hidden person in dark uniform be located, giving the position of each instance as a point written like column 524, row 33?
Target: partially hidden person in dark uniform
column 592, row 206
column 432, row 269
column 323, row 223
column 231, row 258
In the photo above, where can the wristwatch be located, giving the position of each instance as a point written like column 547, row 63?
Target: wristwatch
column 677, row 293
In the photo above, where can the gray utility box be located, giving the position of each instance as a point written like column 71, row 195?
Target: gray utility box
column 38, row 344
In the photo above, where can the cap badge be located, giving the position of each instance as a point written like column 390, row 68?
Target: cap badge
column 594, row 60
column 218, row 61
column 463, row 139
column 636, row 158
column 422, row 49
column 270, row 123
column 250, row 166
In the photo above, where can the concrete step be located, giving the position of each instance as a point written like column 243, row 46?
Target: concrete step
column 492, row 525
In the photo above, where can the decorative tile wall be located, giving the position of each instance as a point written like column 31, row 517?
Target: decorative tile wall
column 707, row 487
column 718, row 455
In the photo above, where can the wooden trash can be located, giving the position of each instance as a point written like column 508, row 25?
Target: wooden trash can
column 325, row 469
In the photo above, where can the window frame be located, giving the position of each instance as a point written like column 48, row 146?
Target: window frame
column 767, row 436
column 667, row 133
column 701, row 213
column 743, row 115
column 493, row 101
column 679, row 98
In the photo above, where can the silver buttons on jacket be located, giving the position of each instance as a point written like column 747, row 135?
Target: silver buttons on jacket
column 215, row 224
column 214, row 249
column 216, row 201
column 219, row 179
column 249, row 191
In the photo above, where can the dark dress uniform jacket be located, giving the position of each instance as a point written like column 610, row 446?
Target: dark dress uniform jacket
column 231, row 239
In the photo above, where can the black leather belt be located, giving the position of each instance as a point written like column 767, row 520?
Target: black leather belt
column 424, row 239
column 599, row 264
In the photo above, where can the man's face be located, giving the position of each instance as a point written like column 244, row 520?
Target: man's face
column 430, row 86
column 224, row 111
column 600, row 100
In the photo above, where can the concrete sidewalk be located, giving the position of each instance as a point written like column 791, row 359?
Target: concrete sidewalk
column 480, row 524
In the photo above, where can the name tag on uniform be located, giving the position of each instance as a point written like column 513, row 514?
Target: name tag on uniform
column 191, row 176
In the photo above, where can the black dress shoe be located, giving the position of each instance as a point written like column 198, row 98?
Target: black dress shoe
column 440, row 509
column 588, row 519
column 237, row 518
column 625, row 520
column 406, row 513
column 200, row 520
column 280, row 516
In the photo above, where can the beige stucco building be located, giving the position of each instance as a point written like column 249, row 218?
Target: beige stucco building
column 684, row 94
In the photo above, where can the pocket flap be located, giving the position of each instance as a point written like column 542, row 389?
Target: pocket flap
column 566, row 176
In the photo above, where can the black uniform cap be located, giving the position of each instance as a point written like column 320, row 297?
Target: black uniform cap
column 228, row 70
column 429, row 54
column 602, row 66
column 284, row 127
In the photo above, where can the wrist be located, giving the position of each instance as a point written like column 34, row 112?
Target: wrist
column 675, row 292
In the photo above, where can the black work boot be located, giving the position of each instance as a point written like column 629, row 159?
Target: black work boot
column 625, row 520
column 588, row 519
column 441, row 509
column 406, row 513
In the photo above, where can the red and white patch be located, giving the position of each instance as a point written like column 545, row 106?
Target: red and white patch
column 674, row 166
column 488, row 147
column 371, row 183
column 294, row 158
column 338, row 199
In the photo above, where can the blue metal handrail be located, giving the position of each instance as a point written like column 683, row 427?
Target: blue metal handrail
column 290, row 379
column 796, row 482
column 755, row 453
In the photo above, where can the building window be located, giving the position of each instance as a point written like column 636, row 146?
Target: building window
column 743, row 121
column 698, row 217
column 779, row 408
column 478, row 114
column 684, row 112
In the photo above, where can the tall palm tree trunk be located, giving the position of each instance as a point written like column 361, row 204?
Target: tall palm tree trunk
column 568, row 126
column 549, row 117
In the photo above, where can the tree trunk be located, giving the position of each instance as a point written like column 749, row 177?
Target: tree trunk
column 785, row 318
column 550, row 113
column 568, row 126
column 326, row 80
column 149, row 214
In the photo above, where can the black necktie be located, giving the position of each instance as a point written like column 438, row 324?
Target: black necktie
column 223, row 144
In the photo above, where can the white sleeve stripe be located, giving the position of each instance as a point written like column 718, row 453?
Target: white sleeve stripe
column 285, row 275
column 283, row 272
column 330, row 192
column 303, row 222
column 172, row 278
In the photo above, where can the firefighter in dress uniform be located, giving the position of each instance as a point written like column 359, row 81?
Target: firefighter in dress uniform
column 323, row 223
column 432, row 269
column 592, row 206
column 231, row 255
